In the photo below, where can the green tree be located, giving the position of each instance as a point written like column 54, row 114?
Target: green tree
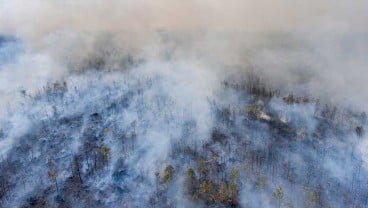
column 207, row 191
column 168, row 174
column 223, row 192
column 233, row 187
column 203, row 169
column 278, row 194
column 253, row 111
column 315, row 198
column 105, row 150
column 190, row 182
column 290, row 99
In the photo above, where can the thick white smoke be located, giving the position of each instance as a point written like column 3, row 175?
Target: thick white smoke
column 180, row 52
column 319, row 44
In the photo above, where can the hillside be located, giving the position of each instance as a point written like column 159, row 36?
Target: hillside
column 183, row 104
column 123, row 141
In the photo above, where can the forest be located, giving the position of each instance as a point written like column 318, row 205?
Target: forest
column 183, row 104
column 121, row 142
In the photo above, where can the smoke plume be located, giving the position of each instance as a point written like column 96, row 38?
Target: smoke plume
column 157, row 83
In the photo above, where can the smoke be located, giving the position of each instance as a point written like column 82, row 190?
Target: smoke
column 153, row 71
column 318, row 46
column 39, row 18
